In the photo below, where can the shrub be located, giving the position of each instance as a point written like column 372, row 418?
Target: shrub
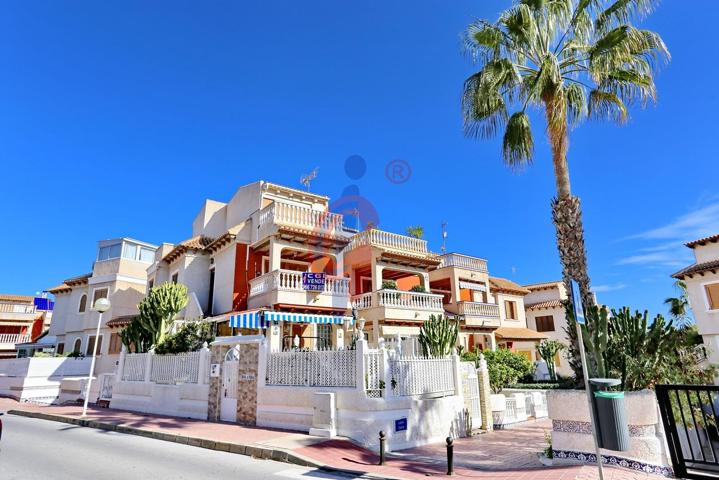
column 418, row 288
column 506, row 367
column 389, row 285
column 189, row 338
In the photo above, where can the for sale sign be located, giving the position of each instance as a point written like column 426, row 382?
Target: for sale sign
column 313, row 282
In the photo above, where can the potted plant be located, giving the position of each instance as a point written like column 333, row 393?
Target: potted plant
column 546, row 456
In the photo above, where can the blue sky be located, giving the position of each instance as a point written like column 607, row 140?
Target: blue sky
column 119, row 118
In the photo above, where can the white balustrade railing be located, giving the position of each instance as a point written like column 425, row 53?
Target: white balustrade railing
column 172, row 369
column 134, row 367
column 422, row 376
column 478, row 309
column 14, row 338
column 463, row 261
column 328, row 368
column 380, row 238
column 16, row 308
column 280, row 213
column 290, row 280
column 399, row 299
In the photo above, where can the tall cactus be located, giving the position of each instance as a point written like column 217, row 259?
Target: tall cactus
column 438, row 336
column 158, row 309
column 595, row 333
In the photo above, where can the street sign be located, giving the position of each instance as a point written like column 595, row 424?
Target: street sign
column 313, row 282
column 400, row 425
column 577, row 303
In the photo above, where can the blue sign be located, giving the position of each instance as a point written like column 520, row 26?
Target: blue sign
column 577, row 303
column 313, row 282
column 400, row 425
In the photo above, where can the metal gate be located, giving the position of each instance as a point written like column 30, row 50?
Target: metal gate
column 470, row 392
column 230, row 377
column 689, row 416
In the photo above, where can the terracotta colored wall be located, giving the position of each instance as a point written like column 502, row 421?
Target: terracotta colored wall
column 324, row 264
column 36, row 329
column 408, row 282
column 240, row 289
column 465, row 295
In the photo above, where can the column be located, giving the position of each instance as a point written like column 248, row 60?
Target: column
column 360, row 349
column 121, row 364
column 275, row 254
column 485, row 394
column 376, row 274
column 148, row 365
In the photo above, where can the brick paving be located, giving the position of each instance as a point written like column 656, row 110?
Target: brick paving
column 507, row 454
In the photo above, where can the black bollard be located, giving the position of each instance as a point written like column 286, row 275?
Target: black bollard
column 381, row 447
column 450, row 456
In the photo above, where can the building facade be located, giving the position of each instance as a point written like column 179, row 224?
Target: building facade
column 22, row 319
column 702, row 281
column 546, row 314
column 119, row 273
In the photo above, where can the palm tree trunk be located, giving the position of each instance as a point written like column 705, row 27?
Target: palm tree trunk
column 566, row 208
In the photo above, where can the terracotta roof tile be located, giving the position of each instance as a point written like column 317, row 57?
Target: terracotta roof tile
column 121, row 321
column 62, row 288
column 703, row 241
column 698, row 268
column 518, row 333
column 79, row 280
column 200, row 242
column 542, row 285
column 504, row 285
column 16, row 298
column 547, row 304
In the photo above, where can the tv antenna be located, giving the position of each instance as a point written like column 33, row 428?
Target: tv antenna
column 444, row 238
column 306, row 180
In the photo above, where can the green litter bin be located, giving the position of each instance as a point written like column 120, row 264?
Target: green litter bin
column 612, row 418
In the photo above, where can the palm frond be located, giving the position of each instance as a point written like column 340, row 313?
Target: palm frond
column 623, row 11
column 607, row 106
column 518, row 142
column 483, row 108
column 576, row 103
column 483, row 40
column 630, row 85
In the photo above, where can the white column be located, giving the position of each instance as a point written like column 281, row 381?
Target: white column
column 492, row 341
column 203, row 374
column 121, row 364
column 360, row 349
column 457, row 376
column 148, row 365
column 262, row 354
column 275, row 254
column 376, row 274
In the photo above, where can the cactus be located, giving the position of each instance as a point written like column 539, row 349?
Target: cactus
column 547, row 349
column 595, row 333
column 438, row 336
column 158, row 309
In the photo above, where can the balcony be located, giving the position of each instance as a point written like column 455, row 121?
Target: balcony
column 285, row 287
column 390, row 241
column 397, row 304
column 9, row 340
column 16, row 308
column 278, row 214
column 477, row 314
column 463, row 261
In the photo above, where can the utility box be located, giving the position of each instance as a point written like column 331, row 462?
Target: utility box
column 610, row 415
column 323, row 415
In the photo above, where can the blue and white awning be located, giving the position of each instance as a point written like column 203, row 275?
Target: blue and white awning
column 249, row 319
column 306, row 318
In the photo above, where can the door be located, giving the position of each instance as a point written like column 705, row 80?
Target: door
column 470, row 392
column 228, row 394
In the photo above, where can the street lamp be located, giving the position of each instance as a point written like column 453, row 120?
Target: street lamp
column 101, row 306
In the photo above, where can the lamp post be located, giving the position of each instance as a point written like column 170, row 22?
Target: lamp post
column 101, row 306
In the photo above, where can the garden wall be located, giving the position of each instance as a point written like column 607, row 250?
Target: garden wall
column 572, row 431
column 39, row 379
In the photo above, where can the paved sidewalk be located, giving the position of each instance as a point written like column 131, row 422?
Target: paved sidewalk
column 507, row 454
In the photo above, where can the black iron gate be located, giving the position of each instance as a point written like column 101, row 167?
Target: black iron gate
column 689, row 416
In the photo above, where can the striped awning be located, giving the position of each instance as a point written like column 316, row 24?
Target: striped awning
column 249, row 319
column 472, row 286
column 305, row 318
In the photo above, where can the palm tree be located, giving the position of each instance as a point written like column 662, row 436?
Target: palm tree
column 573, row 59
column 415, row 231
column 679, row 306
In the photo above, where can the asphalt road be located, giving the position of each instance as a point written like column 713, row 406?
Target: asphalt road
column 40, row 449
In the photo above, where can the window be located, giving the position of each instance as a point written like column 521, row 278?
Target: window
column 77, row 346
column 115, row 343
column 174, row 277
column 545, row 323
column 91, row 345
column 211, row 298
column 83, row 304
column 712, row 291
column 324, row 336
column 129, row 251
column 60, row 348
column 109, row 252
column 147, row 255
column 98, row 294
column 510, row 309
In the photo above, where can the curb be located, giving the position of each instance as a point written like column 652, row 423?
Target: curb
column 254, row 451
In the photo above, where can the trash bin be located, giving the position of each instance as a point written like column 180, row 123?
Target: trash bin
column 613, row 424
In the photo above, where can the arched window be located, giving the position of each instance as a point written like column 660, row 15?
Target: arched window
column 233, row 354
column 83, row 304
column 78, row 344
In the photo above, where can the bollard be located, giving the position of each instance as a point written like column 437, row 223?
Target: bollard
column 381, row 447
column 450, row 456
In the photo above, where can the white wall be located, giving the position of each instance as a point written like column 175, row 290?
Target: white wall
column 224, row 279
column 186, row 400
